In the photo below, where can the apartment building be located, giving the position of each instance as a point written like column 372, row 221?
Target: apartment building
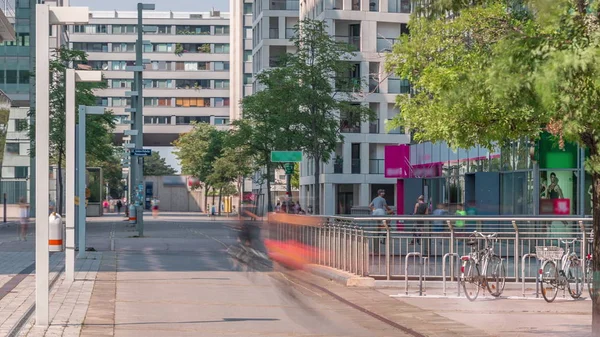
column 188, row 78
column 355, row 173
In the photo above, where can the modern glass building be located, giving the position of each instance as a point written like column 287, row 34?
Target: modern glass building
column 523, row 178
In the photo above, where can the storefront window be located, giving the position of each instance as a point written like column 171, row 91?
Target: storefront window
column 558, row 192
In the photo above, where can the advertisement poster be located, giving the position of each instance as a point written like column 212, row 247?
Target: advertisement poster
column 556, row 192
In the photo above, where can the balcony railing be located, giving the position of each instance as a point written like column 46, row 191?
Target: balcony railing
column 275, row 61
column 273, row 33
column 397, row 131
column 398, row 86
column 347, row 84
column 385, row 44
column 283, row 5
column 347, row 126
column 353, row 41
column 356, row 166
column 399, row 6
column 376, row 166
column 374, row 126
column 338, row 167
column 373, row 84
column 290, row 33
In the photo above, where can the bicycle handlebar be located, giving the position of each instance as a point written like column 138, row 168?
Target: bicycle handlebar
column 489, row 236
column 567, row 242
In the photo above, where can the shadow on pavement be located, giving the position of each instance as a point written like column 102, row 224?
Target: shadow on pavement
column 194, row 322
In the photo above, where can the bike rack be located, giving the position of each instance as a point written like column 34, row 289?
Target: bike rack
column 444, row 271
column 537, row 279
column 423, row 276
column 406, row 269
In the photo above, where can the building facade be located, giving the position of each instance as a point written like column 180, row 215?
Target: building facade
column 188, row 78
column 355, row 174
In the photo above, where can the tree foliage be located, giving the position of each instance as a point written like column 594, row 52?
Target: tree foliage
column 490, row 71
column 155, row 165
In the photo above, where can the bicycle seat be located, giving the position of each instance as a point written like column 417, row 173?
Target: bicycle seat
column 471, row 243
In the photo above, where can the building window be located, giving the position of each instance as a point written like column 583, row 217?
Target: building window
column 221, row 121
column 101, row 101
column 11, row 76
column 196, row 84
column 160, row 47
column 247, row 55
column 221, row 102
column 123, row 47
column 154, row 101
column 221, row 48
column 21, row 171
column 121, row 83
column 192, row 30
column 192, row 102
column 158, row 65
column 162, row 84
column 185, row 120
column 124, row 29
column 122, row 65
column 21, row 125
column 247, row 32
column 221, row 30
column 247, row 8
column 24, row 76
column 121, row 101
column 221, row 84
column 191, row 66
column 12, row 148
column 120, row 119
column 157, row 120
column 221, row 66
column 247, row 78
column 90, row 29
column 91, row 47
column 162, row 30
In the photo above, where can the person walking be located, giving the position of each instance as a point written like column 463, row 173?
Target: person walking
column 119, row 204
column 379, row 207
column 23, row 219
column 421, row 209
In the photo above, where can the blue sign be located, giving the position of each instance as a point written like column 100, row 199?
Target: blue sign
column 141, row 152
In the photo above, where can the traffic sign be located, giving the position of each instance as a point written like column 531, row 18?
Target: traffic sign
column 141, row 152
column 289, row 168
column 286, row 156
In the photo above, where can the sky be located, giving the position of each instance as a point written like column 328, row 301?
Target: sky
column 161, row 5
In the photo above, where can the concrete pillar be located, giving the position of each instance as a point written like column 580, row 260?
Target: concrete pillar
column 383, row 6
column 348, row 5
column 281, row 27
column 364, row 158
column 383, row 116
column 328, row 199
column 347, row 157
column 365, row 195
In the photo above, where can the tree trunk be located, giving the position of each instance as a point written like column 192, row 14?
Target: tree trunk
column 269, row 199
column 206, row 190
column 240, row 194
column 59, row 202
column 317, row 189
column 596, row 251
column 220, row 200
column 213, row 197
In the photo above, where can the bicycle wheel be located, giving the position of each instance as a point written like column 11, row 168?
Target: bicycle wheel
column 495, row 276
column 575, row 278
column 470, row 279
column 549, row 281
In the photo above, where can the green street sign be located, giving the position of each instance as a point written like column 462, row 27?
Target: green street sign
column 286, row 156
column 289, row 168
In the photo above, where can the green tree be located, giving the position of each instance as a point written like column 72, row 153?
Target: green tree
column 313, row 100
column 296, row 176
column 197, row 152
column 98, row 127
column 495, row 71
column 155, row 165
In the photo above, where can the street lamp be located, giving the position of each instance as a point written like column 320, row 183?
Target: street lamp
column 73, row 76
column 45, row 16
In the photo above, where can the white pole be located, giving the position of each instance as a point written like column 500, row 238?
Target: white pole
column 81, row 181
column 42, row 163
column 70, row 175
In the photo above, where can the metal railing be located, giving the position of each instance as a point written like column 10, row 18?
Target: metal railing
column 374, row 126
column 353, row 41
column 376, row 166
column 379, row 246
column 385, row 44
column 355, row 167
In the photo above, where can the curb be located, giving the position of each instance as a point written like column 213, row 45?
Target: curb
column 343, row 278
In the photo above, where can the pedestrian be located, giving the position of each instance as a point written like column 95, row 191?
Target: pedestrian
column 278, row 207
column 105, row 205
column 51, row 206
column 379, row 207
column 119, row 205
column 155, row 203
column 24, row 219
column 440, row 211
column 421, row 209
column 461, row 213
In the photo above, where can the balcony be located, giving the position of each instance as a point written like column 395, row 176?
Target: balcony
column 399, row 6
column 376, row 166
column 273, row 33
column 353, row 41
column 284, row 5
column 347, row 84
column 347, row 126
column 356, row 166
column 385, row 44
column 395, row 131
column 338, row 166
column 374, row 126
column 374, row 6
column 374, row 84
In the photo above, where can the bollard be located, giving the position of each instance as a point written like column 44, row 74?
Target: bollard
column 406, row 269
column 526, row 256
column 132, row 214
column 4, row 204
column 55, row 233
column 444, row 270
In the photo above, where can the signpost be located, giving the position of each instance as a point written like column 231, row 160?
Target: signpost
column 289, row 158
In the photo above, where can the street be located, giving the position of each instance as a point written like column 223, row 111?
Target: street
column 179, row 280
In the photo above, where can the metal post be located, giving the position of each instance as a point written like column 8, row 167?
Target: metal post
column 4, row 204
column 42, row 163
column 70, row 175
column 388, row 260
column 516, row 251
column 81, row 181
column 139, row 119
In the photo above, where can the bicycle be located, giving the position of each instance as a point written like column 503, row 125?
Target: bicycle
column 486, row 260
column 553, row 278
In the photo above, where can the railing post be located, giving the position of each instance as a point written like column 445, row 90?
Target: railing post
column 388, row 260
column 516, row 251
column 423, row 276
column 364, row 270
column 452, row 253
column 583, row 244
column 444, row 270
column 406, row 269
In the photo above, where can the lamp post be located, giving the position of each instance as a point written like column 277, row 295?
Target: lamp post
column 45, row 16
column 73, row 76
